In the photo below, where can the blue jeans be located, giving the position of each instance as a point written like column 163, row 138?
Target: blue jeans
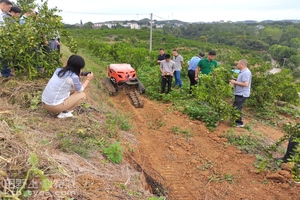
column 178, row 80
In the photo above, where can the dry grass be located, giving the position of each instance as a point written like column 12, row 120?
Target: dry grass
column 25, row 128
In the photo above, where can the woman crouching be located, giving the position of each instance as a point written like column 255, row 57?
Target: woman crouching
column 64, row 91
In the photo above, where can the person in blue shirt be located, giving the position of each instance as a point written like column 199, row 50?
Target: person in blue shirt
column 192, row 64
column 64, row 91
column 242, row 87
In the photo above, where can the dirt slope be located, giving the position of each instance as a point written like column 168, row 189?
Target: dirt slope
column 203, row 166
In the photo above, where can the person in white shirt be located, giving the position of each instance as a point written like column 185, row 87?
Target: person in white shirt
column 64, row 91
column 5, row 6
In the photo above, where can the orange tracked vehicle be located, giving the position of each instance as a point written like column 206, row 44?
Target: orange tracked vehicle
column 124, row 76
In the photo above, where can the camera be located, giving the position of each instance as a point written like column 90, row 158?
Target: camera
column 84, row 73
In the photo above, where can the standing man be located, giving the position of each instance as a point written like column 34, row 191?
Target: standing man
column 161, row 55
column 167, row 68
column 5, row 6
column 178, row 59
column 206, row 65
column 192, row 68
column 241, row 88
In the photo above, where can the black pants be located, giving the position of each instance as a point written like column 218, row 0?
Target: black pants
column 58, row 46
column 238, row 103
column 290, row 151
column 191, row 75
column 164, row 81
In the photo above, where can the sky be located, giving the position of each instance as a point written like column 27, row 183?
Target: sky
column 187, row 10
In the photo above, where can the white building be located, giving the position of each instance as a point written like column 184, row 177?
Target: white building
column 134, row 26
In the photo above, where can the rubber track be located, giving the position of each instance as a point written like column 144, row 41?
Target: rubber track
column 136, row 99
column 141, row 87
column 109, row 86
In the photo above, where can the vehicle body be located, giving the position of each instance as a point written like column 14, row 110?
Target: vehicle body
column 124, row 76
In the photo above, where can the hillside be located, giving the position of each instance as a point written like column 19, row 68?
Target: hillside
column 165, row 152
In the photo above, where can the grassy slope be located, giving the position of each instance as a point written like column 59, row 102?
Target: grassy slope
column 69, row 150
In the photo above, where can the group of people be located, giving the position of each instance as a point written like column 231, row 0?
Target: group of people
column 10, row 14
column 170, row 68
column 204, row 65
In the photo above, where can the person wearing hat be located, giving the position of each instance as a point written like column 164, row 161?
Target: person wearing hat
column 192, row 65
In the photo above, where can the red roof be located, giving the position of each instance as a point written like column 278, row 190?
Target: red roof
column 121, row 67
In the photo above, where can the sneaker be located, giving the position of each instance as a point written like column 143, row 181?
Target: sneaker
column 65, row 115
column 239, row 125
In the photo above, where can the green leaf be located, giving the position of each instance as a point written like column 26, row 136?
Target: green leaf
column 33, row 159
column 27, row 193
column 46, row 184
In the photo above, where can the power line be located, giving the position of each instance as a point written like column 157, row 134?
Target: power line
column 96, row 13
column 100, row 13
column 159, row 17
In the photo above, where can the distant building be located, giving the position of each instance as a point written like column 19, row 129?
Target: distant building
column 259, row 27
column 134, row 26
column 100, row 24
column 126, row 25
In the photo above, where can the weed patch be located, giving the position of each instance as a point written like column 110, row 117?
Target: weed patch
column 114, row 152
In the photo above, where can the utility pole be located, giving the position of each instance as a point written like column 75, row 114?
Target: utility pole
column 151, row 16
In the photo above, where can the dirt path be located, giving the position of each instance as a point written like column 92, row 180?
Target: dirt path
column 203, row 166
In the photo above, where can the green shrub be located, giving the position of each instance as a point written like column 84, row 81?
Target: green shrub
column 114, row 152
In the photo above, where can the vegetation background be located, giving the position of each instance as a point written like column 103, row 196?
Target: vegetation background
column 98, row 137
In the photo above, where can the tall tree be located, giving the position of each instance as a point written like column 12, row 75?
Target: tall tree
column 26, row 46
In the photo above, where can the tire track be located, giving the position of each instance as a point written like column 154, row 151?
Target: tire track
column 177, row 189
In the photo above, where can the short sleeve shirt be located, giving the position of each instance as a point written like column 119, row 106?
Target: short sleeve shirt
column 206, row 66
column 193, row 63
column 244, row 76
column 59, row 88
column 167, row 67
column 178, row 59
